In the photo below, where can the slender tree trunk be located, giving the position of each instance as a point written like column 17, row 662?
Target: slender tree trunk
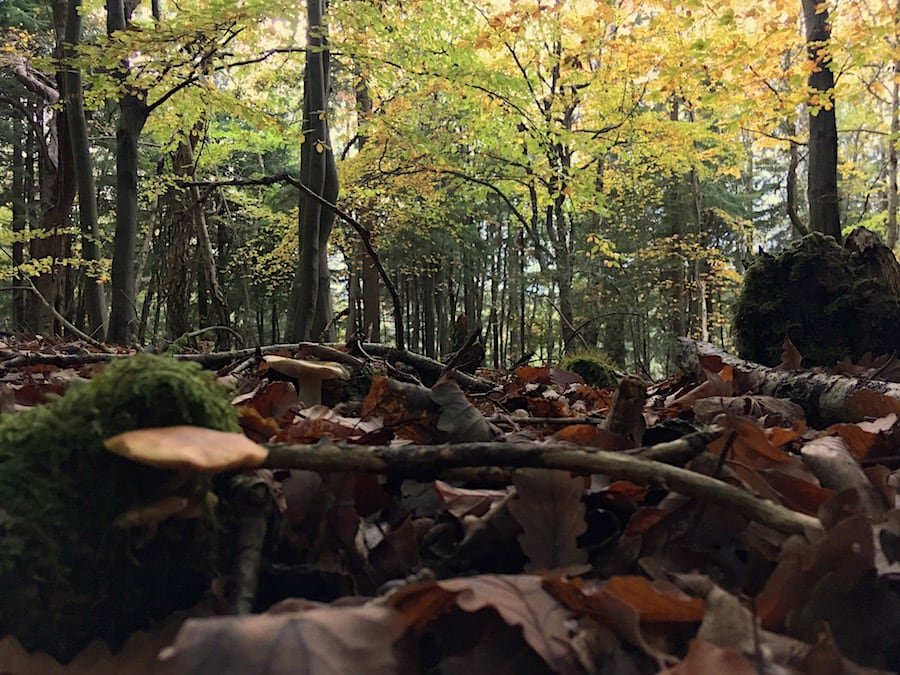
column 177, row 231
column 19, row 220
column 133, row 113
column 132, row 117
column 823, row 141
column 311, row 293
column 428, row 313
column 94, row 293
column 893, row 231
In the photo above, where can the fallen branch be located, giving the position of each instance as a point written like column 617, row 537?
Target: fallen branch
column 826, row 399
column 427, row 461
column 423, row 364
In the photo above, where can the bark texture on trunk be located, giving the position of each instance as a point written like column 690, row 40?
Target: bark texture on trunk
column 823, row 142
column 310, row 305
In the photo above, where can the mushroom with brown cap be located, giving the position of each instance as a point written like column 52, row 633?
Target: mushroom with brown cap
column 309, row 375
column 188, row 451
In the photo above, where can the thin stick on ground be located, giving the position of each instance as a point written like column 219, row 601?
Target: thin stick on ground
column 427, row 461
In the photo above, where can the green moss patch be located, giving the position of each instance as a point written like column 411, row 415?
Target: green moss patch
column 594, row 366
column 822, row 297
column 67, row 575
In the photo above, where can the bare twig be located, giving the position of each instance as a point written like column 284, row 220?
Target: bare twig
column 425, row 461
column 59, row 317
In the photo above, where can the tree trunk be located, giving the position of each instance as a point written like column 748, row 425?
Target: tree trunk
column 428, row 313
column 310, row 304
column 821, row 188
column 19, row 221
column 133, row 113
column 177, row 230
column 132, row 116
column 94, row 293
column 893, row 231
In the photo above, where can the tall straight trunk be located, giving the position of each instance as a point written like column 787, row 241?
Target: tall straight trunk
column 132, row 117
column 133, row 113
column 371, row 299
column 821, row 188
column 94, row 293
column 893, row 231
column 19, row 221
column 310, row 304
column 176, row 229
column 677, row 213
column 56, row 192
column 428, row 314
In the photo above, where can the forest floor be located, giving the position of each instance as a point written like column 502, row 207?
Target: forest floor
column 418, row 521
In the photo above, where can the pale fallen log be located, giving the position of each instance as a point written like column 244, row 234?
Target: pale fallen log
column 826, row 399
column 428, row 461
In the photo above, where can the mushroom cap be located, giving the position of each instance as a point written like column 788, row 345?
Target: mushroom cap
column 186, row 448
column 302, row 369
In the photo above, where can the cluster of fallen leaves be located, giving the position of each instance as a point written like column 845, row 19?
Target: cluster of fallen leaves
column 536, row 570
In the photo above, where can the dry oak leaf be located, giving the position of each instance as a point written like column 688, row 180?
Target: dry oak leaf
column 461, row 502
column 705, row 658
column 187, row 448
column 550, row 510
column 320, row 641
column 520, row 600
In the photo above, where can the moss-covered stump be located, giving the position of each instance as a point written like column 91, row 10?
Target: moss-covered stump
column 594, row 366
column 821, row 296
column 67, row 573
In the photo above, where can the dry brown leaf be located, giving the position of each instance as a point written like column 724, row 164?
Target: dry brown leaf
column 778, row 412
column 256, row 426
column 187, row 448
column 716, row 384
column 520, row 601
column 318, row 641
column 593, row 436
column 867, row 403
column 461, row 502
column 790, row 356
column 653, row 604
column 277, row 400
column 751, row 447
column 459, row 420
column 551, row 512
column 705, row 658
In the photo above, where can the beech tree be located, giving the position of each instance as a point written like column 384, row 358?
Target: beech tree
column 310, row 304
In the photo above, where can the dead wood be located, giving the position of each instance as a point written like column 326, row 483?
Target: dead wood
column 428, row 461
column 826, row 399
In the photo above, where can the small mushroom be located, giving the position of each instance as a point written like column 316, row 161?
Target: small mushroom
column 309, row 375
column 186, row 448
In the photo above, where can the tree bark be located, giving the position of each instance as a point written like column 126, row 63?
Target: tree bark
column 19, row 221
column 310, row 304
column 821, row 189
column 94, row 293
column 132, row 117
column 893, row 231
